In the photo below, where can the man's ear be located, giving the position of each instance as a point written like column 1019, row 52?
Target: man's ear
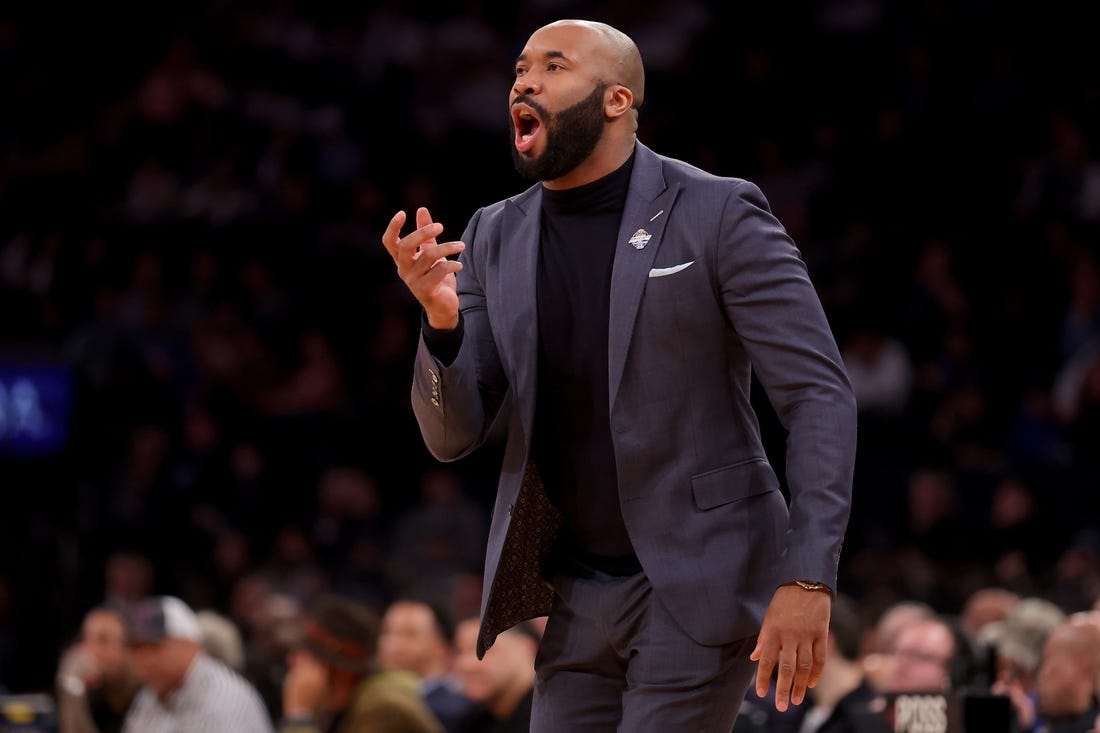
column 618, row 100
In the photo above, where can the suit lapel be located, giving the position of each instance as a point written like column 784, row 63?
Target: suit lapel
column 648, row 205
column 517, row 310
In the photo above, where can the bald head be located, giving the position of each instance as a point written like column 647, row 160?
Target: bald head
column 618, row 54
column 574, row 103
column 1068, row 670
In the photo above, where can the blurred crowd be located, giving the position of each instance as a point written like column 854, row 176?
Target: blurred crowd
column 191, row 200
column 1005, row 663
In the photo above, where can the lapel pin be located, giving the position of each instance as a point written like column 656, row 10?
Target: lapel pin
column 639, row 239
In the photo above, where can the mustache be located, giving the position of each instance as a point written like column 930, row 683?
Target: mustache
column 524, row 99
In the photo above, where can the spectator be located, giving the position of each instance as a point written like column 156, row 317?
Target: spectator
column 221, row 639
column 1090, row 620
column 271, row 624
column 418, row 637
column 1018, row 642
column 128, row 577
column 183, row 687
column 879, row 659
column 880, row 370
column 931, row 655
column 96, row 680
column 441, row 535
column 1066, row 684
column 334, row 683
column 986, row 606
column 503, row 682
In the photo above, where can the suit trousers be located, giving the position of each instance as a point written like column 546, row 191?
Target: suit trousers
column 613, row 659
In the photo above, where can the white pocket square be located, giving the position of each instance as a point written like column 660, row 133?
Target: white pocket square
column 662, row 271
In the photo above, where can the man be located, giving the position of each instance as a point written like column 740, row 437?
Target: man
column 923, row 655
column 96, row 681
column 879, row 661
column 334, row 684
column 503, row 681
column 184, row 688
column 611, row 316
column 1018, row 643
column 418, row 637
column 1066, row 683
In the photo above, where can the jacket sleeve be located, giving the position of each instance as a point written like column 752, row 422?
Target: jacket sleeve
column 389, row 704
column 455, row 404
column 773, row 306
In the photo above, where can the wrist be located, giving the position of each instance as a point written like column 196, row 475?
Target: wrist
column 442, row 322
column 811, row 586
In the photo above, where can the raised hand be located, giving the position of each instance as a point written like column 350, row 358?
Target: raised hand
column 423, row 266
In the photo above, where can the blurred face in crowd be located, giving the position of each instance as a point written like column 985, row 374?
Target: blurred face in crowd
column 410, row 640
column 505, row 674
column 161, row 666
column 1067, row 671
column 921, row 659
column 103, row 640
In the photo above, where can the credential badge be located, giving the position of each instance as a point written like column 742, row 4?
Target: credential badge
column 639, row 239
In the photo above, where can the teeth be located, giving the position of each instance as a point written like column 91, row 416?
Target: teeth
column 526, row 137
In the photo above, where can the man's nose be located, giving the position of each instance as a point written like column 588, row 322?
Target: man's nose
column 526, row 84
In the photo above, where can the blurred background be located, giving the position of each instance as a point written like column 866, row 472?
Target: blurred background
column 206, row 355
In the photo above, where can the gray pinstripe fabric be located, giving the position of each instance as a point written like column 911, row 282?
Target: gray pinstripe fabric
column 212, row 699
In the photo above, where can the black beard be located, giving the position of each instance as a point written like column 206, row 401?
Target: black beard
column 571, row 136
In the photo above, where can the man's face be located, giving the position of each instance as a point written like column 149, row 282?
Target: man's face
column 494, row 677
column 409, row 639
column 569, row 137
column 103, row 639
column 162, row 665
column 921, row 658
column 557, row 102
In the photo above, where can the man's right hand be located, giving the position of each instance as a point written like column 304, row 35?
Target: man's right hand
column 423, row 265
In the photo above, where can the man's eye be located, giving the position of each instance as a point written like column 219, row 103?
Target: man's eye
column 553, row 67
column 520, row 71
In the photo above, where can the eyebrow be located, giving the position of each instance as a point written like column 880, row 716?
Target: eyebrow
column 546, row 54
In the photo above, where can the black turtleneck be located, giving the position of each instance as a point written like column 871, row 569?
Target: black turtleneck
column 572, row 436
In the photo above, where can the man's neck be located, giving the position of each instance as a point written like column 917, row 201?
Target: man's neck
column 606, row 158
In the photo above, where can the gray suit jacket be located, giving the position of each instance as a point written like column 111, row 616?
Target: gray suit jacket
column 717, row 289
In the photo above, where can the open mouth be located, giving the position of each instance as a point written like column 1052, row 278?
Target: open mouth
column 527, row 126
